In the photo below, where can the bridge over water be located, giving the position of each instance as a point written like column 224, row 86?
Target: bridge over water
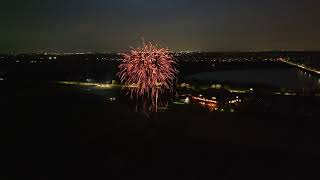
column 303, row 67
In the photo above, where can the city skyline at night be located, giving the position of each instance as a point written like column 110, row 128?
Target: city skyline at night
column 150, row 89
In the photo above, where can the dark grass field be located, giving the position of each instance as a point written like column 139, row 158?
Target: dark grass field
column 51, row 131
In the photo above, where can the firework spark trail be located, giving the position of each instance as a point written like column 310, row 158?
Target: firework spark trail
column 152, row 71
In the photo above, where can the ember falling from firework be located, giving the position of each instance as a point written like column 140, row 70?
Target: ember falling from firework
column 152, row 72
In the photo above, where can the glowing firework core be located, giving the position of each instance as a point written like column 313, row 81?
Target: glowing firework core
column 151, row 70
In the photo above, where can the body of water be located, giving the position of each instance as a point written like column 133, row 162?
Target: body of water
column 290, row 78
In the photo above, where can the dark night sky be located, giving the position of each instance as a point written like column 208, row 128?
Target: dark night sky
column 199, row 25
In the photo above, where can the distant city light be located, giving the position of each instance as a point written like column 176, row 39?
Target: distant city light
column 206, row 103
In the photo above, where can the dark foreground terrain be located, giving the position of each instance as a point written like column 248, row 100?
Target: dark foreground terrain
column 51, row 131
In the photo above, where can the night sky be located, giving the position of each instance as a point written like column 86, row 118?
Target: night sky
column 181, row 25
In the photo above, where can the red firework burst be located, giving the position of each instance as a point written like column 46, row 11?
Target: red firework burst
column 150, row 71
